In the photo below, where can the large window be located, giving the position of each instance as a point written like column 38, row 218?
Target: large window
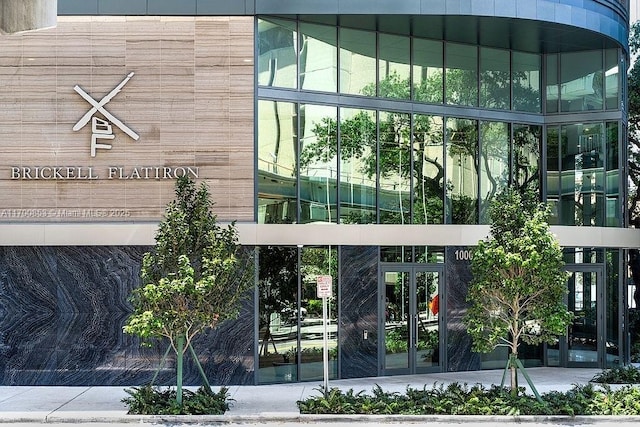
column 527, row 141
column 318, row 164
column 277, row 149
column 395, row 168
column 393, row 67
column 462, row 171
column 428, row 170
column 494, row 78
column 318, row 58
column 277, row 53
column 494, row 163
column 581, row 81
column 525, row 77
column 428, row 73
column 358, row 166
column 290, row 340
column 357, row 61
column 461, row 75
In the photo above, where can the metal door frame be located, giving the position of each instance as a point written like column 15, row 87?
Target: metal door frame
column 413, row 269
column 564, row 361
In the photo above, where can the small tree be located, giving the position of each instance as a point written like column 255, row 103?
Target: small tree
column 193, row 279
column 518, row 286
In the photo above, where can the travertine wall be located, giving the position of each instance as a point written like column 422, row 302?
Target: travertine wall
column 189, row 100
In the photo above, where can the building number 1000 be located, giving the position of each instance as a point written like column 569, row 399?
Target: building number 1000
column 463, row 255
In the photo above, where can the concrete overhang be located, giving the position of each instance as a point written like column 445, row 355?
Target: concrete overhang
column 17, row 16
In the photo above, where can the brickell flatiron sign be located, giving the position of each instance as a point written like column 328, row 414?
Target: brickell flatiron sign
column 101, row 131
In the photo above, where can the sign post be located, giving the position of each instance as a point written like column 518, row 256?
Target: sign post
column 324, row 291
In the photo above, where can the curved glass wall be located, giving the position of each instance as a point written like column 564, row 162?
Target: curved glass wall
column 428, row 131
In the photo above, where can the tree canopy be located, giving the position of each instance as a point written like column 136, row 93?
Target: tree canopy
column 518, row 286
column 194, row 278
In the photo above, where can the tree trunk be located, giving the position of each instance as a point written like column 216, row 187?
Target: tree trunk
column 513, row 370
column 179, row 363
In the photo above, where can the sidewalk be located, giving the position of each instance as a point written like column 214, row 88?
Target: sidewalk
column 252, row 404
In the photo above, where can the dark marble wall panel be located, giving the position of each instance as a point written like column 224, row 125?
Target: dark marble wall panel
column 61, row 315
column 359, row 311
column 458, row 276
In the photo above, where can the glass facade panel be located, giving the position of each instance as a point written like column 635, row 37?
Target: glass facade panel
column 397, row 285
column 581, row 81
column 462, row 171
column 612, row 308
column 358, row 166
column 278, row 321
column 277, row 148
column 526, row 74
column 582, row 174
column 461, row 75
column 612, row 79
column 494, row 78
column 318, row 164
column 277, row 53
column 317, row 261
column 553, row 173
column 613, row 208
column 527, row 140
column 552, row 84
column 494, row 163
column 428, row 170
column 357, row 62
column 318, row 58
column 393, row 67
column 428, row 71
column 395, row 168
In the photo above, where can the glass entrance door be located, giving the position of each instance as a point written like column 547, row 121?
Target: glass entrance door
column 583, row 344
column 412, row 319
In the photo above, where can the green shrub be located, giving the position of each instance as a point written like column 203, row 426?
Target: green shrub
column 149, row 400
column 457, row 399
column 618, row 375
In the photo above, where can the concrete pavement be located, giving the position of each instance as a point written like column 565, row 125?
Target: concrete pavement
column 271, row 403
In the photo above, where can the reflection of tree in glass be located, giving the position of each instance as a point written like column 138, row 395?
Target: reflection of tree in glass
column 277, row 286
column 526, row 150
column 316, row 262
column 462, row 144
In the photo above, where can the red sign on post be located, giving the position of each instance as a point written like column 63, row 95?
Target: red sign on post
column 324, row 286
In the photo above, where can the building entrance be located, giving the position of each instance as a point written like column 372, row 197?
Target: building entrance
column 411, row 319
column 583, row 345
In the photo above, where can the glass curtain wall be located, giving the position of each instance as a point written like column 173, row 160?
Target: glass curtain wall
column 495, row 76
column 317, row 261
column 357, row 61
column 394, row 68
column 582, row 174
column 461, row 74
column 428, row 71
column 318, row 57
column 395, row 168
column 428, row 170
column 525, row 78
column 291, row 340
column 318, row 171
column 277, row 308
column 358, row 166
column 527, row 143
column 277, row 53
column 277, row 162
column 462, row 171
column 494, row 163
